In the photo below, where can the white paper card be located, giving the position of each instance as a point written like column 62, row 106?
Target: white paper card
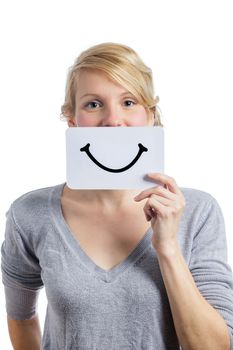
column 113, row 157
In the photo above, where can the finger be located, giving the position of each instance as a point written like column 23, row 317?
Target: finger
column 150, row 215
column 166, row 180
column 149, row 212
column 163, row 209
column 155, row 190
column 152, row 207
column 160, row 199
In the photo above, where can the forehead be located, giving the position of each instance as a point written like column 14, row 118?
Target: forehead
column 96, row 81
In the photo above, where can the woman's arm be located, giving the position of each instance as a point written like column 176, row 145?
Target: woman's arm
column 201, row 293
column 21, row 276
column 25, row 334
column 198, row 325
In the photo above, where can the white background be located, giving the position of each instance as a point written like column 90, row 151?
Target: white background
column 188, row 45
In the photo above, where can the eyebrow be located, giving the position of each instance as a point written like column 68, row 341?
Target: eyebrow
column 96, row 95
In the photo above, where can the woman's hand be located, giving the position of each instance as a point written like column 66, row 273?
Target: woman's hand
column 164, row 209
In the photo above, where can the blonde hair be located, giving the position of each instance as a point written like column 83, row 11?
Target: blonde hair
column 121, row 64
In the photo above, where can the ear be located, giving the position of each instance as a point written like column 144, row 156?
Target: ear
column 151, row 119
column 72, row 122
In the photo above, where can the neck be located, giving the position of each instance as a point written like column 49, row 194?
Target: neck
column 103, row 198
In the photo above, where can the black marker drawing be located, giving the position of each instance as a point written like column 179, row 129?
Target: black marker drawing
column 141, row 150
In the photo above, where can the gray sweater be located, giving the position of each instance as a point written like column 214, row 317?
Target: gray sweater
column 124, row 308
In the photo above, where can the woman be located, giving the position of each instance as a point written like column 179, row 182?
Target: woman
column 122, row 269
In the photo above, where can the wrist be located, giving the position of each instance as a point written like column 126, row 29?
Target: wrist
column 168, row 249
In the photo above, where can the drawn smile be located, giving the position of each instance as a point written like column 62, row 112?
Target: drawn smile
column 140, row 151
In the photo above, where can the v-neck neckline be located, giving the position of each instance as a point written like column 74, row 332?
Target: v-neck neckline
column 97, row 271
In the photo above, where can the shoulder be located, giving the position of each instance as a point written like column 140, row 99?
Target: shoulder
column 33, row 200
column 202, row 223
column 32, row 207
column 195, row 196
column 199, row 203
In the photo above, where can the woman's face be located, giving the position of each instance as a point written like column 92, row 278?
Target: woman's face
column 103, row 102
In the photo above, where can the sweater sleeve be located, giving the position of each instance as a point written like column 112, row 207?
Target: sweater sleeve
column 20, row 272
column 209, row 263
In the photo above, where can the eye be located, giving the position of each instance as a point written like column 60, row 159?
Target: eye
column 129, row 103
column 91, row 104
